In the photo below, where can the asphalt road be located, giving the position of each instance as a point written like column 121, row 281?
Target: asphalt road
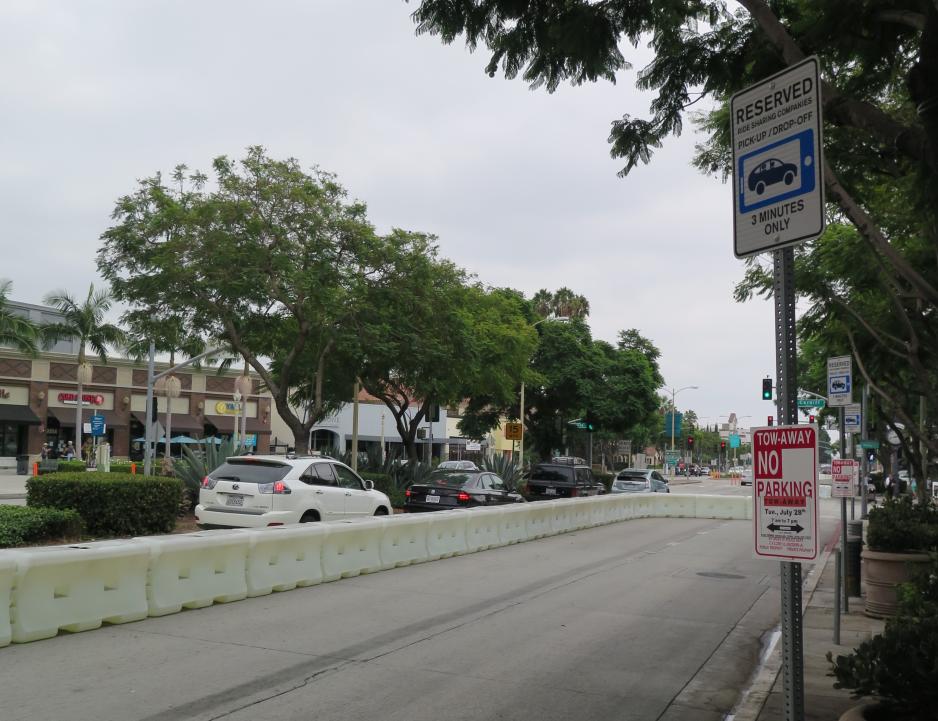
column 648, row 619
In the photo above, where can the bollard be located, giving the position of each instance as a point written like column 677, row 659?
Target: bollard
column 133, row 469
column 35, row 469
column 837, row 597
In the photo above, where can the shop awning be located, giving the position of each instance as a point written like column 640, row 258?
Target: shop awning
column 18, row 414
column 226, row 425
column 66, row 417
column 181, row 422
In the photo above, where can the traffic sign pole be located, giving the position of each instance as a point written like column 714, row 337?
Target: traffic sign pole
column 843, row 519
column 864, row 452
column 787, row 385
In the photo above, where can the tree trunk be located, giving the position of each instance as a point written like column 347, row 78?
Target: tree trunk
column 78, row 399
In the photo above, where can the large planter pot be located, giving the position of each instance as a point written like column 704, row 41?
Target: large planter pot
column 857, row 713
column 875, row 712
column 883, row 572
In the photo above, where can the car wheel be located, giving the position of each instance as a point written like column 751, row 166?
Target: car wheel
column 310, row 517
column 381, row 511
column 760, row 188
column 789, row 178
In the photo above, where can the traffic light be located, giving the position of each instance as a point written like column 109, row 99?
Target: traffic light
column 766, row 389
column 810, row 419
column 690, row 442
column 771, row 420
column 722, row 445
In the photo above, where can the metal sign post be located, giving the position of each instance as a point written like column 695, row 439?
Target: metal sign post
column 843, row 520
column 787, row 385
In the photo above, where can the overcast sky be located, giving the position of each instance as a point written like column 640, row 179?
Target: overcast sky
column 517, row 184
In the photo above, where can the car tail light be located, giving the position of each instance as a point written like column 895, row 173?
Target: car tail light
column 208, row 482
column 275, row 523
column 278, row 488
column 407, row 493
column 462, row 496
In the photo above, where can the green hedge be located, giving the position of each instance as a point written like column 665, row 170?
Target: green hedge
column 71, row 466
column 122, row 467
column 20, row 526
column 111, row 504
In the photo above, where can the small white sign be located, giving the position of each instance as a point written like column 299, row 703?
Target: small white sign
column 473, row 446
column 777, row 166
column 840, row 381
column 852, row 418
column 844, row 475
column 785, row 514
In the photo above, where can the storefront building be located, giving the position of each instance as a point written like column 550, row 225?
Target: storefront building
column 38, row 404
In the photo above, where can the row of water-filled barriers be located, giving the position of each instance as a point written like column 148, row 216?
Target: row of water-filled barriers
column 78, row 587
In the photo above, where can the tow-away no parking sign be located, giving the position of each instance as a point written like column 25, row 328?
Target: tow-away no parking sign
column 784, row 518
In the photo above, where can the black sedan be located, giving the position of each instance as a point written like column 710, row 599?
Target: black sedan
column 447, row 489
column 770, row 172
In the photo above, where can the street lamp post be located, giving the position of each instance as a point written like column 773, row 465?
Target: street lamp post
column 559, row 319
column 673, row 394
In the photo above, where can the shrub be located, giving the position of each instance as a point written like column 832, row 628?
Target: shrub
column 605, row 479
column 196, row 464
column 384, row 483
column 900, row 666
column 507, row 469
column 121, row 467
column 71, row 466
column 21, row 525
column 111, row 504
column 901, row 525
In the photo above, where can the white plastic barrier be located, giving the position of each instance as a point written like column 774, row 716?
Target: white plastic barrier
column 729, row 507
column 352, row 547
column 511, row 525
column 644, row 505
column 446, row 535
column 561, row 516
column 194, row 570
column 620, row 507
column 599, row 510
column 675, row 505
column 404, row 540
column 77, row 588
column 482, row 529
column 7, row 570
column 537, row 519
column 580, row 512
column 280, row 558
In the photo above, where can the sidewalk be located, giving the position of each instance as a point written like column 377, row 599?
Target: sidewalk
column 822, row 701
column 12, row 486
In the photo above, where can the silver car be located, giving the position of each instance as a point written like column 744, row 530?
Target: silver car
column 636, row 480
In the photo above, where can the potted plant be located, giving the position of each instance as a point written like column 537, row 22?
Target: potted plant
column 899, row 537
column 900, row 666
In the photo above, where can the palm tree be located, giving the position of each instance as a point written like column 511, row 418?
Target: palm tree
column 85, row 322
column 542, row 302
column 16, row 331
column 562, row 301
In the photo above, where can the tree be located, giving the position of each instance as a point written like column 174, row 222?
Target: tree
column 83, row 321
column 272, row 263
column 16, row 331
column 880, row 65
column 432, row 338
column 562, row 303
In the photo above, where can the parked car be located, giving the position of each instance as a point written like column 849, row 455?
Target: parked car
column 636, row 480
column 705, row 470
column 457, row 466
column 255, row 491
column 447, row 489
column 561, row 480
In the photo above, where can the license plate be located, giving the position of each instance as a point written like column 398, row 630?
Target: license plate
column 235, row 500
column 433, row 499
column 550, row 491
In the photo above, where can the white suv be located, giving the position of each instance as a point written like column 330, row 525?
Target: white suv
column 255, row 491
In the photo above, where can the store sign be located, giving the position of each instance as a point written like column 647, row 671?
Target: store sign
column 93, row 399
column 226, row 408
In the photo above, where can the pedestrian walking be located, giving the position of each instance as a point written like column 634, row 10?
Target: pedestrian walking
column 69, row 451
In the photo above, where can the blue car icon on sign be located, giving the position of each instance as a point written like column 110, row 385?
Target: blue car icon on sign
column 770, row 172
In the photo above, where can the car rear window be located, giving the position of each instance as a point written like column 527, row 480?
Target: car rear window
column 251, row 471
column 552, row 474
column 631, row 475
column 449, row 479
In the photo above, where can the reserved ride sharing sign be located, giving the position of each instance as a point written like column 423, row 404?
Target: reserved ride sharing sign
column 785, row 514
column 777, row 167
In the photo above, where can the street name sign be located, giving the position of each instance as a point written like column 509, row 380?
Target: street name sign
column 873, row 445
column 840, row 380
column 852, row 418
column 811, row 402
column 785, row 514
column 777, row 165
column 844, row 475
column 672, row 457
column 513, row 431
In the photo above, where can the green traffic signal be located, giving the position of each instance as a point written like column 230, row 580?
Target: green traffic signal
column 766, row 389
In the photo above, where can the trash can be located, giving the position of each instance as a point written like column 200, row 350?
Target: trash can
column 854, row 560
column 22, row 465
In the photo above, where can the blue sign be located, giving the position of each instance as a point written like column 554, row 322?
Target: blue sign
column 98, row 426
column 838, row 384
column 776, row 172
column 677, row 423
column 734, row 440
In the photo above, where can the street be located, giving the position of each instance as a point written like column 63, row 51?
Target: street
column 647, row 619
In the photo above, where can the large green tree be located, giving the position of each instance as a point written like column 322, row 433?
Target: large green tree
column 84, row 321
column 272, row 261
column 15, row 330
column 880, row 71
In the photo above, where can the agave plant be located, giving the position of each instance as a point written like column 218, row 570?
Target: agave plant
column 197, row 464
column 506, row 469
